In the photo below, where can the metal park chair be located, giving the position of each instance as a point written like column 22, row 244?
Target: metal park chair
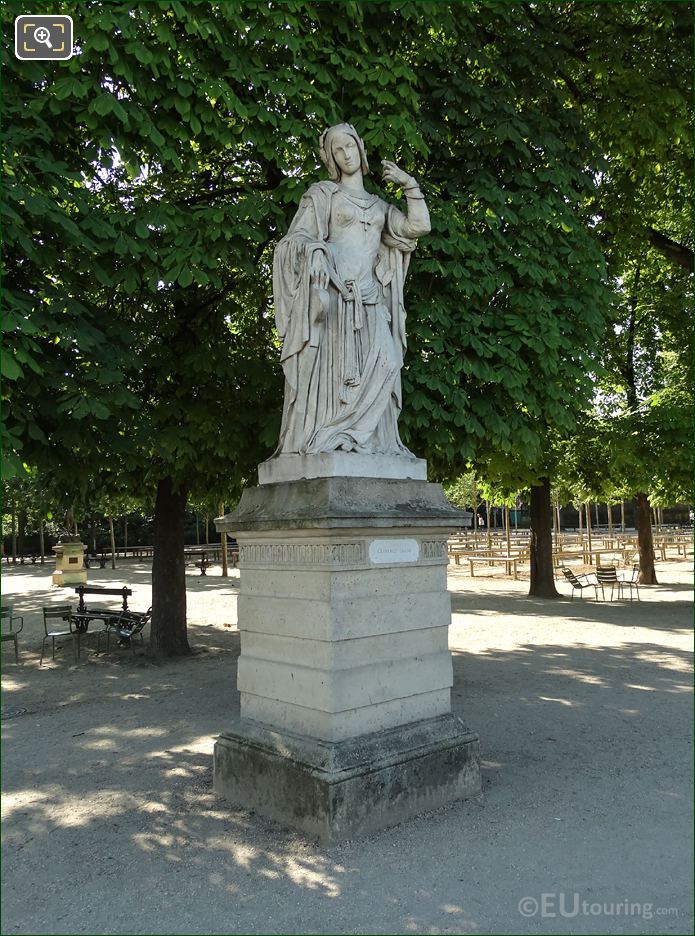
column 631, row 582
column 608, row 575
column 8, row 630
column 128, row 625
column 63, row 614
column 579, row 582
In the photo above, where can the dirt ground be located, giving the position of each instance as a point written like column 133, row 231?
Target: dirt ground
column 584, row 711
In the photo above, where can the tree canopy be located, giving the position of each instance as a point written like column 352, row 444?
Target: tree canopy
column 152, row 174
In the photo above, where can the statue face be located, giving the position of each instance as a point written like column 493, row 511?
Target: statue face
column 346, row 153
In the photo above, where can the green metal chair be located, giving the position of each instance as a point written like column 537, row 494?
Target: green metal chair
column 608, row 575
column 63, row 614
column 128, row 625
column 579, row 582
column 8, row 630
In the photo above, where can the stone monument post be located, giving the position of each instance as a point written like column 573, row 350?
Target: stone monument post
column 69, row 568
column 345, row 672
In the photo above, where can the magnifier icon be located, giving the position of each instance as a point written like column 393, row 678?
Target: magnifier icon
column 43, row 35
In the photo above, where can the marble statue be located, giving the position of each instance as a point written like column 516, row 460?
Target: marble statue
column 338, row 279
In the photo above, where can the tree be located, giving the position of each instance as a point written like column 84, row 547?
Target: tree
column 186, row 179
column 635, row 101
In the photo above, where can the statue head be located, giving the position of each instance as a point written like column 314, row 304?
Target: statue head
column 333, row 137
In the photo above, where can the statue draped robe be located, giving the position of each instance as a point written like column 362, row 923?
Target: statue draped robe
column 343, row 347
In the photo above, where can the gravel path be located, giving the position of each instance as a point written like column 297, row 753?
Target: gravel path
column 585, row 715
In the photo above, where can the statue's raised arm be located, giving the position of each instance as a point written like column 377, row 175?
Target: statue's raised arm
column 338, row 278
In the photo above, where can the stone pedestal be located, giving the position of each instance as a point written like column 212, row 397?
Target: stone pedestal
column 345, row 673
column 70, row 568
column 340, row 465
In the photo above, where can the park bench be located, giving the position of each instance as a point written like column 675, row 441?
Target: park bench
column 83, row 616
column 510, row 562
column 203, row 562
column 83, row 590
column 562, row 556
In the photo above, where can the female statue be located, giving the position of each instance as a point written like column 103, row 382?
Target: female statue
column 338, row 287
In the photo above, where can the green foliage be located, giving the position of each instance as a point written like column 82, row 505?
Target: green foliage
column 188, row 134
column 152, row 174
column 636, row 105
column 463, row 491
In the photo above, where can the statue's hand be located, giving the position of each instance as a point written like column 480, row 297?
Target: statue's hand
column 319, row 274
column 393, row 174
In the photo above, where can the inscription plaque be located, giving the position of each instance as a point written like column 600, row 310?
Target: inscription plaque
column 382, row 551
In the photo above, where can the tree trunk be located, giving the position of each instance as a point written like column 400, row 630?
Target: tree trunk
column 622, row 516
column 598, row 522
column 14, row 536
column 487, row 524
column 541, row 541
column 93, row 535
column 507, row 531
column 197, row 531
column 168, row 635
column 647, row 572
column 22, row 523
column 207, row 529
column 42, row 545
column 588, row 529
column 609, row 508
column 125, row 537
column 113, row 543
column 223, row 544
column 579, row 514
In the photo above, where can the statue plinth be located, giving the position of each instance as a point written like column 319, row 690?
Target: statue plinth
column 70, row 568
column 345, row 672
column 340, row 464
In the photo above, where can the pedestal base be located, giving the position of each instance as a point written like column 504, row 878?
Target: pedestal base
column 70, row 578
column 283, row 468
column 342, row 790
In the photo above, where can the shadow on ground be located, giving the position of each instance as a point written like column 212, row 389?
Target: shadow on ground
column 585, row 745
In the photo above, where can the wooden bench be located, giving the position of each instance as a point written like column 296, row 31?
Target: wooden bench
column 510, row 562
column 84, row 615
column 562, row 556
column 203, row 562
column 83, row 590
